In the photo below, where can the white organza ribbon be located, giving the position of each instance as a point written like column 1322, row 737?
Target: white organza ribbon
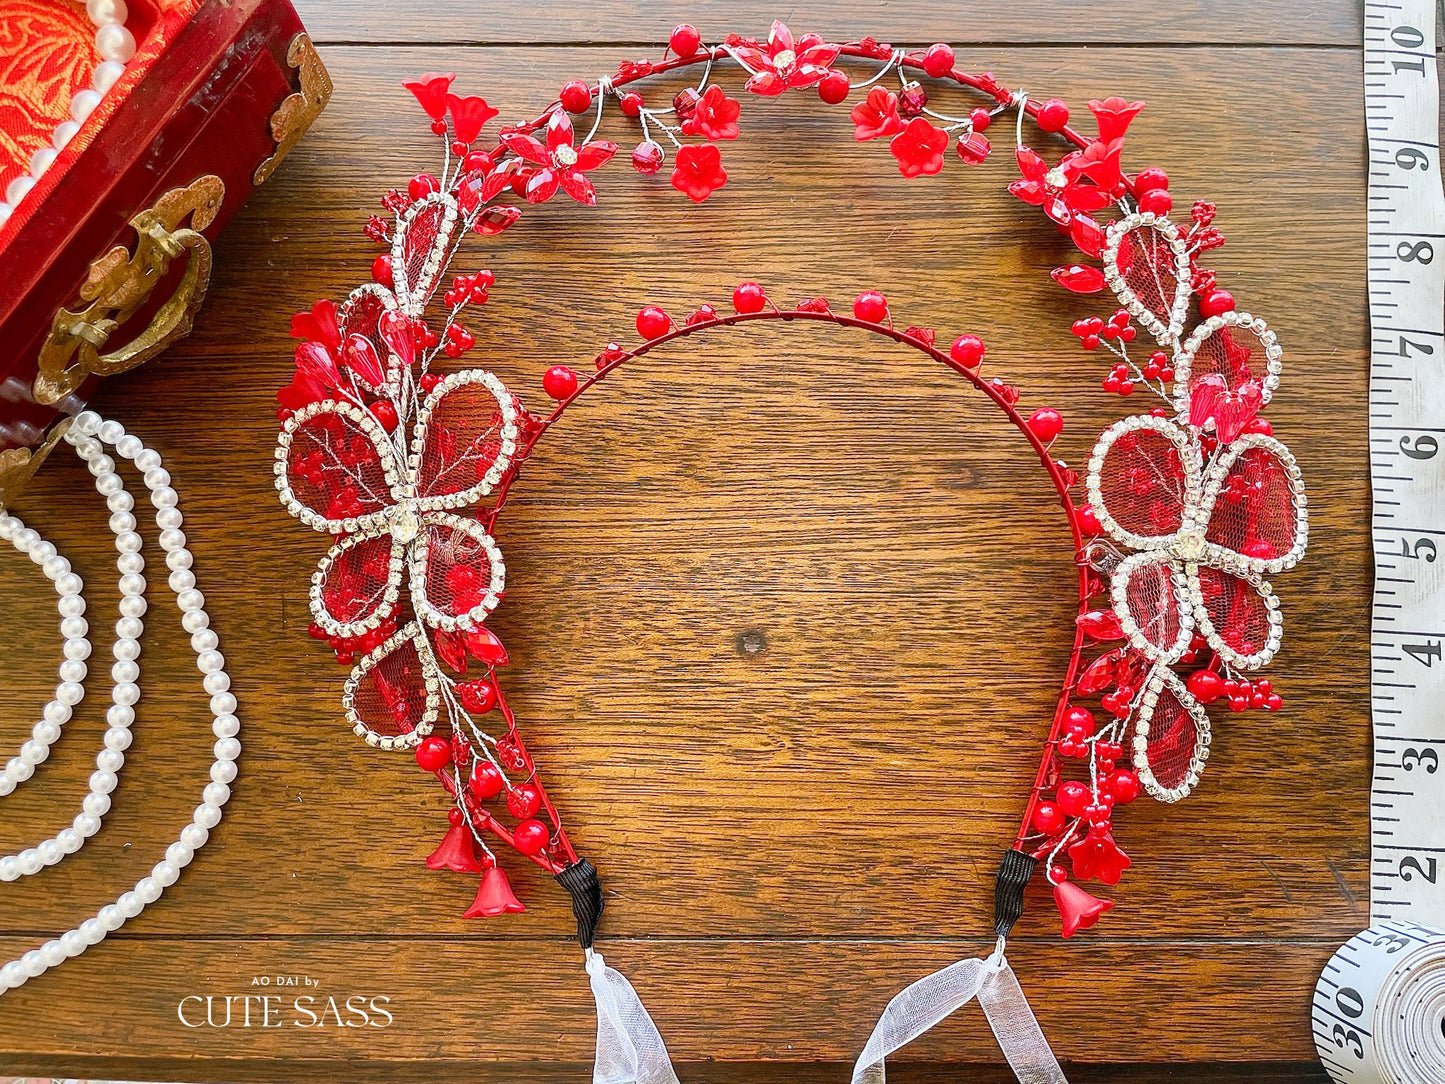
column 918, row 1007
column 629, row 1048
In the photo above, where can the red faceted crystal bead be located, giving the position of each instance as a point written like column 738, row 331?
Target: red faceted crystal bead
column 647, row 157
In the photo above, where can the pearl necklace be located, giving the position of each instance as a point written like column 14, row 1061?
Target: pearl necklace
column 89, row 436
column 116, row 46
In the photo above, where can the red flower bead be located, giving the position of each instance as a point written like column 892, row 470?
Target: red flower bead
column 938, row 60
column 431, row 93
column 630, row 102
column 653, row 323
column 1073, row 798
column 1053, row 115
column 487, row 780
column 384, row 412
column 1149, row 179
column 559, row 162
column 698, row 171
column 871, row 307
column 647, row 157
column 714, row 117
column 968, row 351
column 423, row 185
column 685, row 40
column 1048, row 818
column 433, row 753
column 576, row 96
column 1046, row 424
column 1156, row 201
column 531, row 837
column 524, row 801
column 1216, row 303
column 833, row 88
column 876, row 115
column 559, row 382
column 980, row 118
column 749, row 297
column 919, row 148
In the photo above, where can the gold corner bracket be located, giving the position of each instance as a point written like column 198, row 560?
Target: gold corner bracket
column 18, row 465
column 119, row 283
column 297, row 111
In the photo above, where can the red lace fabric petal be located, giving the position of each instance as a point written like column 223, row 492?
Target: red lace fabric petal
column 386, row 697
column 1148, row 604
column 466, row 441
column 416, row 254
column 1171, row 755
column 1236, row 616
column 1147, row 266
column 1142, row 484
column 359, row 316
column 458, row 574
column 335, row 466
column 1234, row 352
column 1254, row 511
column 359, row 581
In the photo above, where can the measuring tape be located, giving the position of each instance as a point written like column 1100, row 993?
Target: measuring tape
column 1379, row 1007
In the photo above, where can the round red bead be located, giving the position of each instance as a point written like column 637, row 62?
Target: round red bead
column 524, row 801
column 478, row 162
column 652, row 322
column 1073, row 798
column 477, row 696
column 938, row 60
column 1048, row 818
column 871, row 306
column 749, row 297
column 455, row 817
column 531, row 837
column 384, row 412
column 1156, row 201
column 423, row 185
column 1077, row 718
column 1124, row 786
column 685, row 39
column 630, row 102
column 487, row 780
column 1053, row 115
column 1216, row 303
column 434, row 754
column 576, row 96
column 381, row 270
column 833, row 87
column 559, row 382
column 968, row 351
column 1046, row 424
column 1088, row 521
column 981, row 118
column 1149, row 179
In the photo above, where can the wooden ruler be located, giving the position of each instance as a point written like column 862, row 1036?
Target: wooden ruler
column 1379, row 1007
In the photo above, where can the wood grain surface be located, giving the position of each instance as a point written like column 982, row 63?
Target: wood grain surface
column 787, row 608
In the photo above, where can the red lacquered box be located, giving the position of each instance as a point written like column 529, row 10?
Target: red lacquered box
column 105, row 261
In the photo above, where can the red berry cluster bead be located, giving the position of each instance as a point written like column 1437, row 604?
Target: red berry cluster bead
column 459, row 341
column 1241, row 694
column 348, row 647
column 469, row 289
column 1118, row 380
column 1078, row 728
column 1119, row 327
column 1158, row 367
column 1089, row 331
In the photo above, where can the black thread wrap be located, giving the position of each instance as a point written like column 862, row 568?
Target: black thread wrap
column 580, row 881
column 1014, row 873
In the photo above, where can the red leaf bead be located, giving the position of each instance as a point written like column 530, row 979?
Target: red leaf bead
column 938, row 60
column 1156, row 201
column 749, row 297
column 531, row 837
column 1079, row 278
column 685, row 40
column 968, row 351
column 653, row 323
column 559, row 382
column 433, row 753
column 1150, row 179
column 524, row 801
column 576, row 96
column 1216, row 303
column 1053, row 115
column 630, row 102
column 871, row 307
column 1046, row 424
column 1048, row 818
column 833, row 88
column 487, row 780
column 1073, row 798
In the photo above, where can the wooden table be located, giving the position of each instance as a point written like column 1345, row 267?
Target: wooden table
column 786, row 609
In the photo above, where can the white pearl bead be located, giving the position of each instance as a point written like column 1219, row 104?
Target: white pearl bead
column 223, row 704
column 130, row 904
column 226, row 726
column 208, row 662
column 109, row 483
column 69, row 692
column 226, row 749
column 92, row 931
column 216, row 794
column 157, row 478
column 148, row 890
column 125, row 648
column 87, row 447
column 121, row 522
column 205, row 640
column 129, row 446
column 130, row 563
column 132, row 583
column 195, row 621
column 179, row 559
column 97, row 805
column 110, row 430
column 125, row 670
column 18, row 770
column 73, row 628
column 110, row 917
column 207, row 816
column 34, row 752
column 217, row 683
column 57, row 713
column 149, row 459
column 170, row 538
column 102, row 781
column 86, row 824
column 190, row 600
column 102, row 12
column 45, row 732
column 52, row 953
column 194, row 836
column 120, row 716
column 65, row 131
column 223, row 771
column 169, row 519
column 164, row 497
column 16, row 189
column 42, row 551
column 111, row 760
column 6, row 210
column 33, row 964
column 42, row 160
column 128, row 541
column 71, row 606
column 120, row 502
column 133, row 606
column 9, row 868
column 115, row 42
column 182, row 579
column 30, row 863
column 179, row 855
column 55, row 567
column 126, row 692
column 101, row 464
column 50, row 852
column 166, row 873
column 118, row 738
column 70, row 840
column 24, row 539
column 72, row 942
column 7, row 785
column 69, row 584
column 78, row 649
column 129, row 628
column 12, row 975
column 73, row 670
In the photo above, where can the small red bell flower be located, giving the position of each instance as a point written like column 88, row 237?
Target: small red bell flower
column 494, row 897
column 1097, row 855
column 876, row 115
column 431, row 91
column 457, row 851
column 715, row 116
column 1079, row 909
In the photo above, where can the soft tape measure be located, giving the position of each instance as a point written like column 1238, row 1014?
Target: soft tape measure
column 1379, row 1007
